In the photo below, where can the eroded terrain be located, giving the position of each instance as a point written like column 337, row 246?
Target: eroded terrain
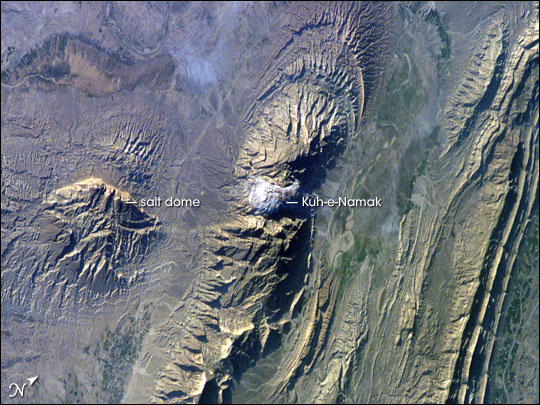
column 432, row 107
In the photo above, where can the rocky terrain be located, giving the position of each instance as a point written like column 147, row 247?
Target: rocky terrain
column 247, row 106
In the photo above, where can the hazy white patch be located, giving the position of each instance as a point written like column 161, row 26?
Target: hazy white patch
column 206, row 55
column 200, row 70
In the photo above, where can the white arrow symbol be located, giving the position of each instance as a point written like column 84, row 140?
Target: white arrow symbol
column 32, row 380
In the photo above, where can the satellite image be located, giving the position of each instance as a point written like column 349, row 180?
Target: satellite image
column 269, row 202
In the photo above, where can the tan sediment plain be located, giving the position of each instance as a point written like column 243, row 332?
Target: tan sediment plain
column 307, row 106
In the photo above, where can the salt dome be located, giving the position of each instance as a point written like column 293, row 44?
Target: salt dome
column 267, row 198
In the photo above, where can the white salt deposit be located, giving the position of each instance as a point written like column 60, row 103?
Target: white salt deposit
column 267, row 198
